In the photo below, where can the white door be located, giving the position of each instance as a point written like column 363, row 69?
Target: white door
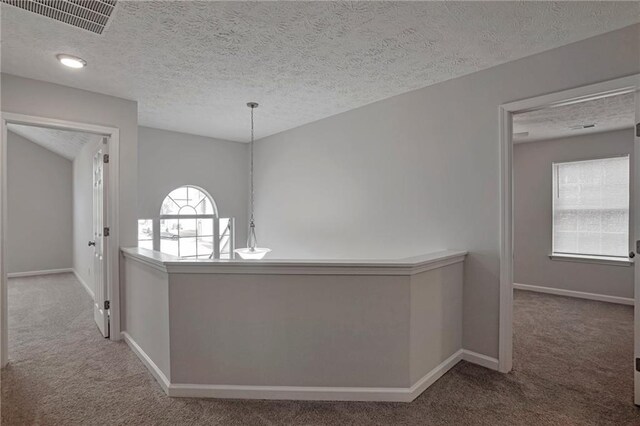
column 99, row 243
column 636, row 217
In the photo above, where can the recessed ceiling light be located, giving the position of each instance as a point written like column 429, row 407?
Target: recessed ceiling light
column 71, row 61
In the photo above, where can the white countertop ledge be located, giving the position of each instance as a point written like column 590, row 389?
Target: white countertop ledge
column 405, row 266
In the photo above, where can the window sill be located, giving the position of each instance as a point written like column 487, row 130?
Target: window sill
column 603, row 260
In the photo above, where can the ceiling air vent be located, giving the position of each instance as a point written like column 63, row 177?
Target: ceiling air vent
column 90, row 15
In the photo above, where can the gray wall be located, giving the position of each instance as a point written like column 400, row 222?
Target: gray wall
column 147, row 289
column 39, row 200
column 168, row 160
column 418, row 172
column 83, row 214
column 533, row 218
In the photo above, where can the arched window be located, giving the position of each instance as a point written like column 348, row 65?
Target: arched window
column 189, row 226
column 187, row 219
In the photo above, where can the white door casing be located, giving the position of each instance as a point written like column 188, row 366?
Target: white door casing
column 617, row 86
column 100, row 226
column 113, row 246
column 636, row 234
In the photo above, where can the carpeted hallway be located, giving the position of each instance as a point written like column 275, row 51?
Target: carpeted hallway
column 572, row 366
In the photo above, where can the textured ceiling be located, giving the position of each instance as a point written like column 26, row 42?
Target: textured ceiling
column 63, row 142
column 192, row 65
column 610, row 113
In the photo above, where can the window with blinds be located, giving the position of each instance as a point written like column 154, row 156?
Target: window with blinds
column 591, row 207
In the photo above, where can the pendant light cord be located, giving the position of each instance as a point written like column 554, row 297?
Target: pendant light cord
column 251, row 166
column 252, row 251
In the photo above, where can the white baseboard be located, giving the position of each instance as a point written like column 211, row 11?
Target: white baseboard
column 432, row 376
column 482, row 360
column 317, row 393
column 148, row 362
column 36, row 273
column 84, row 284
column 572, row 293
column 310, row 393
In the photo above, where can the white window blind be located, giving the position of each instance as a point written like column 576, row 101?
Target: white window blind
column 591, row 207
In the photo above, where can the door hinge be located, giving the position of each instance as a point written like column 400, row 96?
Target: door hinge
column 638, row 130
column 105, row 231
column 107, row 305
column 637, row 364
column 105, row 158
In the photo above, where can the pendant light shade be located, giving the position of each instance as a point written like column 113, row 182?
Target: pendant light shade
column 252, row 251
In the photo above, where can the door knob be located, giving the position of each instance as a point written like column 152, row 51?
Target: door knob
column 92, row 243
column 631, row 255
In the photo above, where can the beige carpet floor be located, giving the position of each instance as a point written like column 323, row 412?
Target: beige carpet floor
column 572, row 366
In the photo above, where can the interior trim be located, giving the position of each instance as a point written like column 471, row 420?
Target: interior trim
column 315, row 393
column 603, row 260
column 148, row 362
column 85, row 285
column 407, row 266
column 312, row 393
column 480, row 359
column 36, row 273
column 577, row 294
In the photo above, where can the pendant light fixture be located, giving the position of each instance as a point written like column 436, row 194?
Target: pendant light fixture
column 252, row 251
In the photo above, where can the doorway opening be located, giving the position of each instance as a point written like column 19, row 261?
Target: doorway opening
column 569, row 222
column 59, row 223
column 573, row 255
